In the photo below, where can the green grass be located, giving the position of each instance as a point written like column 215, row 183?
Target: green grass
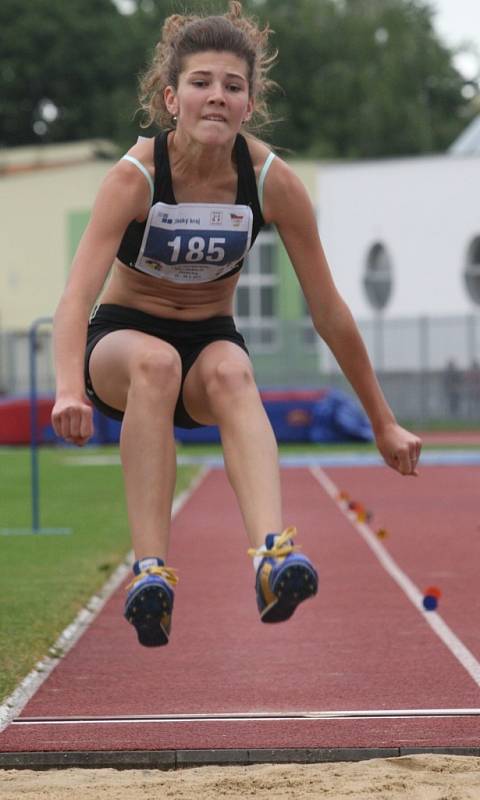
column 46, row 579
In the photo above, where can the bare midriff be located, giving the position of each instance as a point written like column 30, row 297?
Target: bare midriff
column 129, row 287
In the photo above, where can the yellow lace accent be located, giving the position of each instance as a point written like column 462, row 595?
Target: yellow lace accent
column 282, row 546
column 168, row 573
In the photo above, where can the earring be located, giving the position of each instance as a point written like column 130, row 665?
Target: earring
column 174, row 119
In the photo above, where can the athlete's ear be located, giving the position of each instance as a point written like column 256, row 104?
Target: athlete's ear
column 248, row 113
column 170, row 100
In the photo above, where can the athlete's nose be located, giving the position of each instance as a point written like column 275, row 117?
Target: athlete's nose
column 217, row 95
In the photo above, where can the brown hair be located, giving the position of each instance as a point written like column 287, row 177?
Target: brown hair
column 183, row 36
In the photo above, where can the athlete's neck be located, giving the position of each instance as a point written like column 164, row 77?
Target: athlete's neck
column 196, row 161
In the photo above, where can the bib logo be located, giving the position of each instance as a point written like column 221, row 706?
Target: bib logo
column 236, row 220
column 216, row 217
column 167, row 219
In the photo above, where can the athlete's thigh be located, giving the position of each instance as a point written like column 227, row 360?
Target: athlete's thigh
column 113, row 359
column 194, row 393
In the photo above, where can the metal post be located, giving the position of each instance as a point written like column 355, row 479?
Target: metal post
column 34, row 442
column 32, row 336
column 424, row 348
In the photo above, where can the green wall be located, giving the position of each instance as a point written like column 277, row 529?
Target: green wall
column 76, row 224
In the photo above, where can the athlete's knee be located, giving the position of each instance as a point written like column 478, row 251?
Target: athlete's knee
column 229, row 380
column 159, row 369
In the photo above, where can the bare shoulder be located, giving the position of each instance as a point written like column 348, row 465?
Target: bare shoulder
column 259, row 152
column 281, row 182
column 143, row 151
column 125, row 186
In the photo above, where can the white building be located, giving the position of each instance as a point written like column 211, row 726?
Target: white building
column 412, row 222
column 403, row 239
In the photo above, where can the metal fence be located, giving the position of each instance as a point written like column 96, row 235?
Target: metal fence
column 429, row 368
column 14, row 362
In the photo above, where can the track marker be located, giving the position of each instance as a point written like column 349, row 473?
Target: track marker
column 463, row 655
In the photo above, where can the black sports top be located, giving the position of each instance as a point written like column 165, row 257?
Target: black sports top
column 194, row 242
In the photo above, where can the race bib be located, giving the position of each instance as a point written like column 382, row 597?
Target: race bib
column 194, row 242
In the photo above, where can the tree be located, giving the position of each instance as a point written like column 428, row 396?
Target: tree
column 363, row 78
column 59, row 58
column 358, row 78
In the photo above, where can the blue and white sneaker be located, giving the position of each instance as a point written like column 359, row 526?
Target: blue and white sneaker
column 149, row 602
column 285, row 577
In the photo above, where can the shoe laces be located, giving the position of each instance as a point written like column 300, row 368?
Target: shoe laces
column 168, row 573
column 282, row 546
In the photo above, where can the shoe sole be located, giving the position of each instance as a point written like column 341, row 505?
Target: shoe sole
column 145, row 611
column 294, row 584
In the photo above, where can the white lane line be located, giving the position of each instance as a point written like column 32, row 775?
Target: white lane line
column 12, row 705
column 432, row 618
column 457, row 457
column 280, row 716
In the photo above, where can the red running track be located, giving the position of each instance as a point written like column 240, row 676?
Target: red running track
column 359, row 645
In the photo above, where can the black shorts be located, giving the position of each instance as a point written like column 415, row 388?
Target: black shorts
column 187, row 337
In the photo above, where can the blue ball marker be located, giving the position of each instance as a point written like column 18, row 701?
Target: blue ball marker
column 430, row 602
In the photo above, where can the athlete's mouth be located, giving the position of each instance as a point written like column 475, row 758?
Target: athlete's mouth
column 214, row 118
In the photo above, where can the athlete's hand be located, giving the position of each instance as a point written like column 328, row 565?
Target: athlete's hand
column 72, row 419
column 400, row 448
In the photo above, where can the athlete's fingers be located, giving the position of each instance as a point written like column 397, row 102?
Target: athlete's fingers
column 56, row 425
column 60, row 423
column 81, row 427
column 86, row 423
column 63, row 425
column 80, row 422
column 414, row 455
column 415, row 451
column 400, row 449
column 74, row 419
column 79, row 441
column 67, row 431
column 402, row 461
column 73, row 423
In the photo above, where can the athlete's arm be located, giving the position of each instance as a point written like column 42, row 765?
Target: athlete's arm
column 123, row 196
column 288, row 206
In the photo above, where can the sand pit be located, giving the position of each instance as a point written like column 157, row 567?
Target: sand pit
column 422, row 777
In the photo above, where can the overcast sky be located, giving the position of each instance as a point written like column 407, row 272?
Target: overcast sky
column 458, row 21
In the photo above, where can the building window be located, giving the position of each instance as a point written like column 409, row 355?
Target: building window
column 378, row 281
column 472, row 271
column 256, row 300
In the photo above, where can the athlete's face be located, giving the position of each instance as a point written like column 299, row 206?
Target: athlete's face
column 212, row 99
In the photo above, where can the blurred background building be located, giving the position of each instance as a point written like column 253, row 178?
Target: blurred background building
column 386, row 132
column 402, row 236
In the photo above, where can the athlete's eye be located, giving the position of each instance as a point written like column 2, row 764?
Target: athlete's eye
column 199, row 83
column 234, row 87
